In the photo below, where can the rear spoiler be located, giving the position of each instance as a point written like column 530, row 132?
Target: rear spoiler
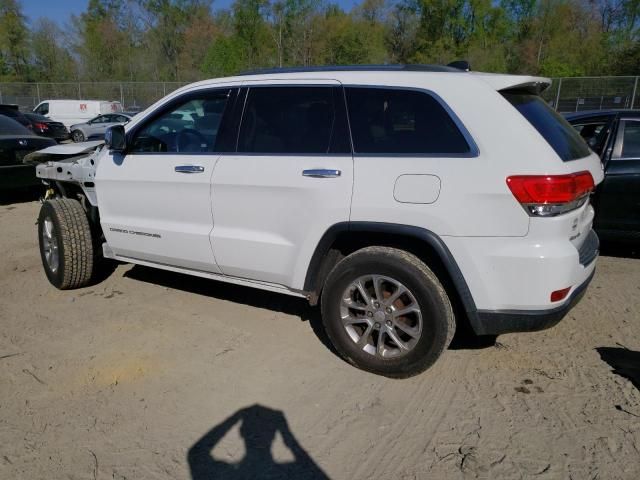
column 519, row 83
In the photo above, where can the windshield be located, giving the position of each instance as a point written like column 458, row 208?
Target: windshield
column 558, row 133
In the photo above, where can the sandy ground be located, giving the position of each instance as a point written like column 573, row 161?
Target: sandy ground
column 151, row 375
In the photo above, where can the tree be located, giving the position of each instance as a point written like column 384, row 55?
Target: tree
column 51, row 59
column 14, row 41
column 166, row 23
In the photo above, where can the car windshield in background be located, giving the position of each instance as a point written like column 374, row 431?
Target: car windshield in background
column 558, row 133
column 11, row 127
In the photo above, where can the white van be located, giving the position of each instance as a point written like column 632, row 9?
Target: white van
column 70, row 112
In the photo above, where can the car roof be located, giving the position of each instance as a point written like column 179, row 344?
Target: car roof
column 354, row 73
column 600, row 113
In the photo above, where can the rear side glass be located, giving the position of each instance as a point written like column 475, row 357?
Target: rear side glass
column 558, row 133
column 396, row 121
column 290, row 120
column 631, row 140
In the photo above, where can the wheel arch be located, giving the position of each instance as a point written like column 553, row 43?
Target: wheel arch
column 344, row 238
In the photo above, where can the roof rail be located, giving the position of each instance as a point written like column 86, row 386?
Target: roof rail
column 361, row 68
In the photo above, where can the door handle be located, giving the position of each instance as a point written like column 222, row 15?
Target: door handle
column 321, row 173
column 189, row 169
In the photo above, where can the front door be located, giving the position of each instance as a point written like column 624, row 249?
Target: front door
column 289, row 181
column 155, row 200
column 618, row 202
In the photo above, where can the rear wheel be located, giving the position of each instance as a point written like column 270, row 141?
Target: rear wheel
column 386, row 312
column 77, row 136
column 66, row 244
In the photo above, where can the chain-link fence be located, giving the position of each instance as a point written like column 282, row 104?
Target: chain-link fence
column 565, row 94
column 132, row 95
column 592, row 93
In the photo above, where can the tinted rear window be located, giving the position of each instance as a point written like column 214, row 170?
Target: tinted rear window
column 11, row 127
column 401, row 122
column 558, row 133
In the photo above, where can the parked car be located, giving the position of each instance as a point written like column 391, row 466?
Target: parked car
column 15, row 142
column 71, row 112
column 387, row 194
column 13, row 111
column 45, row 127
column 615, row 136
column 94, row 129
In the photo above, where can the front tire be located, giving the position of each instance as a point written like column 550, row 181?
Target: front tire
column 386, row 312
column 66, row 244
column 77, row 136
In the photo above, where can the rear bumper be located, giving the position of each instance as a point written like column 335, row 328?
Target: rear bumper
column 496, row 322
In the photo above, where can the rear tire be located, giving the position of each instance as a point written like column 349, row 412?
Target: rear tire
column 66, row 244
column 77, row 136
column 386, row 312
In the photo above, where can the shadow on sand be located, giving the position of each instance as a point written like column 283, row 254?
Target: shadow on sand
column 623, row 362
column 464, row 339
column 258, row 428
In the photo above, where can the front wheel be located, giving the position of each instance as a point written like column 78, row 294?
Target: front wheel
column 66, row 245
column 77, row 136
column 386, row 312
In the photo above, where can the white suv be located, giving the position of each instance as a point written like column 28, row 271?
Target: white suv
column 389, row 194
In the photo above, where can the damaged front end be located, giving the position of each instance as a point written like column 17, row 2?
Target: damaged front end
column 69, row 170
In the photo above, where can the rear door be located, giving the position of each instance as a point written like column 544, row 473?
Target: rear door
column 288, row 182
column 155, row 200
column 618, row 208
column 97, row 126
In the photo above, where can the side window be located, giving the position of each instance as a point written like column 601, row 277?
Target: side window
column 631, row 140
column 120, row 119
column 395, row 121
column 295, row 119
column 190, row 126
column 594, row 133
column 43, row 109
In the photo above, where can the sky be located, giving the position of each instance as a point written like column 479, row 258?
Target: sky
column 60, row 11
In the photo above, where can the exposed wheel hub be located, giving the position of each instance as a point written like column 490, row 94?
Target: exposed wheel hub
column 381, row 316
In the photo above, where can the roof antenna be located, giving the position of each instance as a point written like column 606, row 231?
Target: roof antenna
column 460, row 65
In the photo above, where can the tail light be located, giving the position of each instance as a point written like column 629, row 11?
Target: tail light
column 41, row 127
column 560, row 294
column 551, row 195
